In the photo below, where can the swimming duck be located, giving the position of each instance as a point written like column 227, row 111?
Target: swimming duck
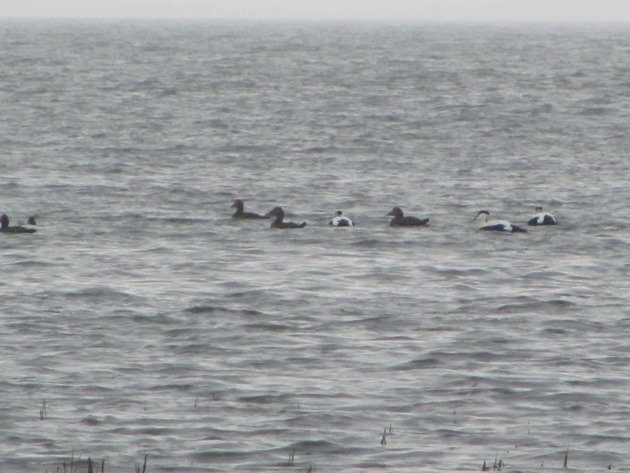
column 4, row 226
column 339, row 220
column 542, row 218
column 240, row 212
column 279, row 221
column 400, row 220
column 484, row 223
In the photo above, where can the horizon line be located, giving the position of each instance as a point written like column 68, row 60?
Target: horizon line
column 389, row 21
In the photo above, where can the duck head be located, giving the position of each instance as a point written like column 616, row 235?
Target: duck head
column 482, row 215
column 277, row 212
column 396, row 212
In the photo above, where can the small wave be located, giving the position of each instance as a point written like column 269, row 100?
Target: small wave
column 34, row 263
column 487, row 356
column 186, row 220
column 268, row 327
column 370, row 243
column 266, row 398
column 212, row 309
column 458, row 272
column 91, row 420
column 183, row 387
column 418, row 364
column 320, row 150
column 371, row 466
column 309, row 447
column 243, row 149
column 554, row 331
column 170, row 91
column 156, row 431
column 102, row 294
column 589, row 111
column 181, row 331
column 197, row 349
column 214, row 455
column 215, row 123
column 532, row 306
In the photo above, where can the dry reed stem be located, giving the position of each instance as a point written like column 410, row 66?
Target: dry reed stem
column 144, row 467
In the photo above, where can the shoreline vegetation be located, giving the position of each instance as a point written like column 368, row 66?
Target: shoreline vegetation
column 80, row 466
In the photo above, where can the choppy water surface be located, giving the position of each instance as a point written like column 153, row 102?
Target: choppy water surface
column 151, row 323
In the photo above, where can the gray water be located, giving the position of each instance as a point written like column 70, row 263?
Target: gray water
column 151, row 323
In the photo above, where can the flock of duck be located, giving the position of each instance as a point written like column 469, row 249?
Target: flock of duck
column 399, row 219
column 6, row 228
column 483, row 220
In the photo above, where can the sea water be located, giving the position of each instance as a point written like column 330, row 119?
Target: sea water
column 141, row 319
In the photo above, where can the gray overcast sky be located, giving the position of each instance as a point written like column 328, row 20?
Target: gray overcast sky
column 406, row 10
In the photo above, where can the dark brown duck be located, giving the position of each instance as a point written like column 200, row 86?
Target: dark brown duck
column 279, row 221
column 400, row 220
column 240, row 211
column 6, row 228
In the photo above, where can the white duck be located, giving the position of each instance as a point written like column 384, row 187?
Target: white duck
column 339, row 220
column 484, row 223
column 542, row 218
